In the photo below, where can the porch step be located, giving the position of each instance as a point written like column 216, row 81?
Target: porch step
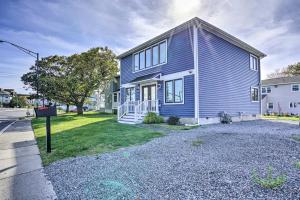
column 130, row 119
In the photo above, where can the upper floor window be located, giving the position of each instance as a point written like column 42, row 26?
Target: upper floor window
column 174, row 91
column 150, row 57
column 295, row 88
column 254, row 94
column 265, row 90
column 253, row 62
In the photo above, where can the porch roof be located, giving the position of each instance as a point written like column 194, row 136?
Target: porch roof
column 146, row 78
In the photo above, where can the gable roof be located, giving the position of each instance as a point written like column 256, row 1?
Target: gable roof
column 281, row 81
column 200, row 24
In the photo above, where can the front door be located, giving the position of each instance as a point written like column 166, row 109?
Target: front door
column 149, row 97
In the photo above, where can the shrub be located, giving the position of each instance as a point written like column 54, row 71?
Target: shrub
column 153, row 118
column 225, row 118
column 269, row 181
column 173, row 120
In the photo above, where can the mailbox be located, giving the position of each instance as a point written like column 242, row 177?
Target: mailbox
column 45, row 111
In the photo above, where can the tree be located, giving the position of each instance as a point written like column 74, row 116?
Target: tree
column 18, row 101
column 290, row 70
column 72, row 79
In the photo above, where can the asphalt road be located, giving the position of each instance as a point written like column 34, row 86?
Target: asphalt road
column 13, row 113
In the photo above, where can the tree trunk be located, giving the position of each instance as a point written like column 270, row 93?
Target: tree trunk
column 68, row 108
column 79, row 109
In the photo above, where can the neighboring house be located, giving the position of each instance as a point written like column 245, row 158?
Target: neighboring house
column 5, row 97
column 193, row 71
column 281, row 95
column 107, row 99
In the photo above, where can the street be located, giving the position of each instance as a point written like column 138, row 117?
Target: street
column 21, row 171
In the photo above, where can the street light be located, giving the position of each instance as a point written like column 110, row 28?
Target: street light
column 33, row 54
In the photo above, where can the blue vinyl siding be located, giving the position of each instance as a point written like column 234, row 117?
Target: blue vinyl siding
column 181, row 110
column 225, row 77
column 179, row 58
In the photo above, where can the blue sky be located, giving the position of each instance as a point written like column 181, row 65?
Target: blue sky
column 72, row 26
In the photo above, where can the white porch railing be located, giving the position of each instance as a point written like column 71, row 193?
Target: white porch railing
column 137, row 108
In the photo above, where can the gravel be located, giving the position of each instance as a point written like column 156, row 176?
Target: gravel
column 171, row 167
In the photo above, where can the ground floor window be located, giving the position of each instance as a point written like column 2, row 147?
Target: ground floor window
column 130, row 94
column 294, row 104
column 270, row 106
column 174, row 91
column 254, row 94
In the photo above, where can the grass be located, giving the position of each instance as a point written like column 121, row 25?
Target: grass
column 269, row 181
column 197, row 142
column 292, row 118
column 298, row 164
column 88, row 134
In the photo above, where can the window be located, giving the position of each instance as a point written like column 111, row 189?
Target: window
column 115, row 97
column 293, row 105
column 263, row 90
column 254, row 94
column 270, row 106
column 136, row 62
column 148, row 57
column 268, row 89
column 162, row 53
column 142, row 60
column 155, row 55
column 253, row 63
column 295, row 88
column 130, row 94
column 174, row 91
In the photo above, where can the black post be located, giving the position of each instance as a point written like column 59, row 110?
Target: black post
column 48, row 134
column 37, row 78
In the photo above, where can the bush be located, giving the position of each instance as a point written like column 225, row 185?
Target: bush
column 153, row 118
column 225, row 118
column 173, row 120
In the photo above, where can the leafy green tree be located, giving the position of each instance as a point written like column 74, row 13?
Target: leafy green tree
column 291, row 70
column 18, row 101
column 72, row 79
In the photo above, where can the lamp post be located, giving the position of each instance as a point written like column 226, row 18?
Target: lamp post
column 33, row 54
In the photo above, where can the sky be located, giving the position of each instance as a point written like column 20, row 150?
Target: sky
column 71, row 26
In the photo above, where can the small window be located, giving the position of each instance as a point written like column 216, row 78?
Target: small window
column 293, row 104
column 130, row 94
column 295, row 88
column 263, row 90
column 270, row 106
column 136, row 62
column 115, row 97
column 253, row 63
column 268, row 89
column 148, row 58
column 142, row 60
column 155, row 56
column 162, row 53
column 254, row 94
column 174, row 91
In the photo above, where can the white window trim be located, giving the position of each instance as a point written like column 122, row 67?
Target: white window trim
column 134, row 92
column 262, row 90
column 253, row 87
column 292, row 87
column 251, row 55
column 152, row 66
column 164, row 91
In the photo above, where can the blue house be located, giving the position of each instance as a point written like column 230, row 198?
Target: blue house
column 193, row 71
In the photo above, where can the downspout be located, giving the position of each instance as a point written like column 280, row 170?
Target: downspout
column 196, row 70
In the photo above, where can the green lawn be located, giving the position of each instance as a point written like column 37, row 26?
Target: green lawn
column 294, row 118
column 91, row 133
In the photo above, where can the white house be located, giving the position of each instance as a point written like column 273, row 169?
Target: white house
column 5, row 97
column 281, row 95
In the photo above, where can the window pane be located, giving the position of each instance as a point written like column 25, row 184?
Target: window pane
column 127, row 94
column 136, row 62
column 270, row 105
column 148, row 57
column 268, row 89
column 142, row 60
column 178, row 91
column 254, row 94
column 155, row 55
column 162, row 52
column 169, row 92
column 115, row 97
column 263, row 90
column 295, row 88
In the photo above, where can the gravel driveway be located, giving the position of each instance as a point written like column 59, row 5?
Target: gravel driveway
column 171, row 167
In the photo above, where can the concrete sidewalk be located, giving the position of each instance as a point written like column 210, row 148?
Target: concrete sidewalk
column 21, row 171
